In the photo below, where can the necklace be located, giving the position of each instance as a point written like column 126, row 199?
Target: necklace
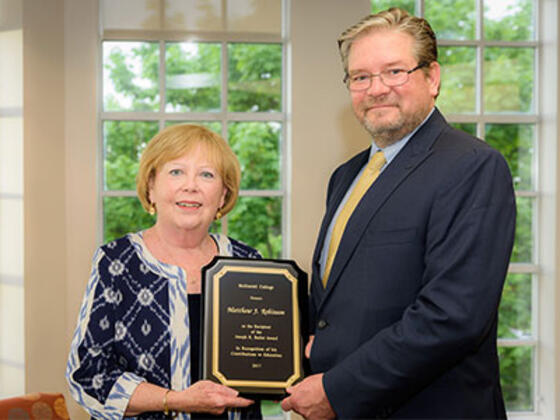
column 190, row 260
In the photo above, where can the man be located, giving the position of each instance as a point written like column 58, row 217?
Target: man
column 408, row 272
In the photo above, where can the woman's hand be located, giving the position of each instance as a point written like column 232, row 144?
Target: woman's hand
column 206, row 397
column 201, row 397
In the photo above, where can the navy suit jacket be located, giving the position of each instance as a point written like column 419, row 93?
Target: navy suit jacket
column 406, row 327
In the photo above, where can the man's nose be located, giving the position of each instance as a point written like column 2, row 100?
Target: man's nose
column 377, row 87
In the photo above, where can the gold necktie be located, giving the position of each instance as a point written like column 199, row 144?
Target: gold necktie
column 369, row 175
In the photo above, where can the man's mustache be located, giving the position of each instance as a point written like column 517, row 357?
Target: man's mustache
column 371, row 102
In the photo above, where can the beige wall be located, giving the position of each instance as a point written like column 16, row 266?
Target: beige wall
column 324, row 131
column 60, row 161
column 555, row 316
column 81, row 151
column 45, row 245
column 61, row 152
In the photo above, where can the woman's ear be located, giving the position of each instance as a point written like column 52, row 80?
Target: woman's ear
column 150, row 189
column 223, row 198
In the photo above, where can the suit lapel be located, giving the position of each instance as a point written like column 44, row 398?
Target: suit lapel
column 409, row 158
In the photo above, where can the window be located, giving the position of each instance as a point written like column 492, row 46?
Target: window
column 219, row 63
column 216, row 63
column 489, row 53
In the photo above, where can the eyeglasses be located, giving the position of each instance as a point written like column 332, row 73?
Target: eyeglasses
column 390, row 78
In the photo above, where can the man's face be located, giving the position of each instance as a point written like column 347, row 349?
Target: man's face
column 389, row 113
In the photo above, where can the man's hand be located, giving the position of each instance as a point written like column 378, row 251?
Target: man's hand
column 309, row 400
column 308, row 346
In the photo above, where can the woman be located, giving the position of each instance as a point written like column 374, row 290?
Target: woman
column 135, row 349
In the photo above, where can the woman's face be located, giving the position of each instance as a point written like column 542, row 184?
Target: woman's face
column 188, row 191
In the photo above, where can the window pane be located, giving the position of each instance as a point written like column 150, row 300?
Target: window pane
column 11, row 237
column 510, row 20
column 516, row 371
column 12, row 324
column 515, row 142
column 255, row 77
column 124, row 142
column 466, row 127
column 263, row 16
column 508, row 79
column 379, row 5
column 272, row 410
column 257, row 221
column 11, row 154
column 122, row 215
column 257, row 146
column 452, row 19
column 130, row 76
column 515, row 307
column 458, row 75
column 523, row 245
column 193, row 80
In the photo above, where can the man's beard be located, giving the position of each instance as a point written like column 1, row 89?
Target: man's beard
column 388, row 133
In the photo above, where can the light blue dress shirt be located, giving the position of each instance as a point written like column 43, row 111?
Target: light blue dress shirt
column 390, row 153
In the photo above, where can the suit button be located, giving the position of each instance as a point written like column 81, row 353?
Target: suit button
column 322, row 324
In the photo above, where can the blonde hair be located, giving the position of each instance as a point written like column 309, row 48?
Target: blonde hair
column 177, row 140
column 425, row 43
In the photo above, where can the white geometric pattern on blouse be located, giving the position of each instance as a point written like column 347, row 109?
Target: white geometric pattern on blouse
column 178, row 312
column 119, row 395
column 117, row 401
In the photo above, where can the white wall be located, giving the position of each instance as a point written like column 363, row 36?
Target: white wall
column 11, row 200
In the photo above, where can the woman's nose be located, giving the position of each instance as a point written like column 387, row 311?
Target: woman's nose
column 190, row 183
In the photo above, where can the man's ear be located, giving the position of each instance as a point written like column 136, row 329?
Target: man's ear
column 434, row 73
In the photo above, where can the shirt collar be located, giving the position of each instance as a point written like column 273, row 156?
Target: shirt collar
column 392, row 150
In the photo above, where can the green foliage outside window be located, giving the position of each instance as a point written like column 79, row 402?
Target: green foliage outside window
column 193, row 78
column 255, row 77
column 515, row 22
column 378, row 5
column 516, row 370
column 458, row 80
column 452, row 19
column 130, row 75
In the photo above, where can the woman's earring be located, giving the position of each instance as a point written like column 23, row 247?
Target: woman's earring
column 152, row 209
column 218, row 215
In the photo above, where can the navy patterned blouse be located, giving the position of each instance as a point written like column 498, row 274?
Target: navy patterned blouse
column 134, row 327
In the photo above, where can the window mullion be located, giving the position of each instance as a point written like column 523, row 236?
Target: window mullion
column 224, row 96
column 162, row 79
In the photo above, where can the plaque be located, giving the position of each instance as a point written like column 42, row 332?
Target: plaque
column 254, row 325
